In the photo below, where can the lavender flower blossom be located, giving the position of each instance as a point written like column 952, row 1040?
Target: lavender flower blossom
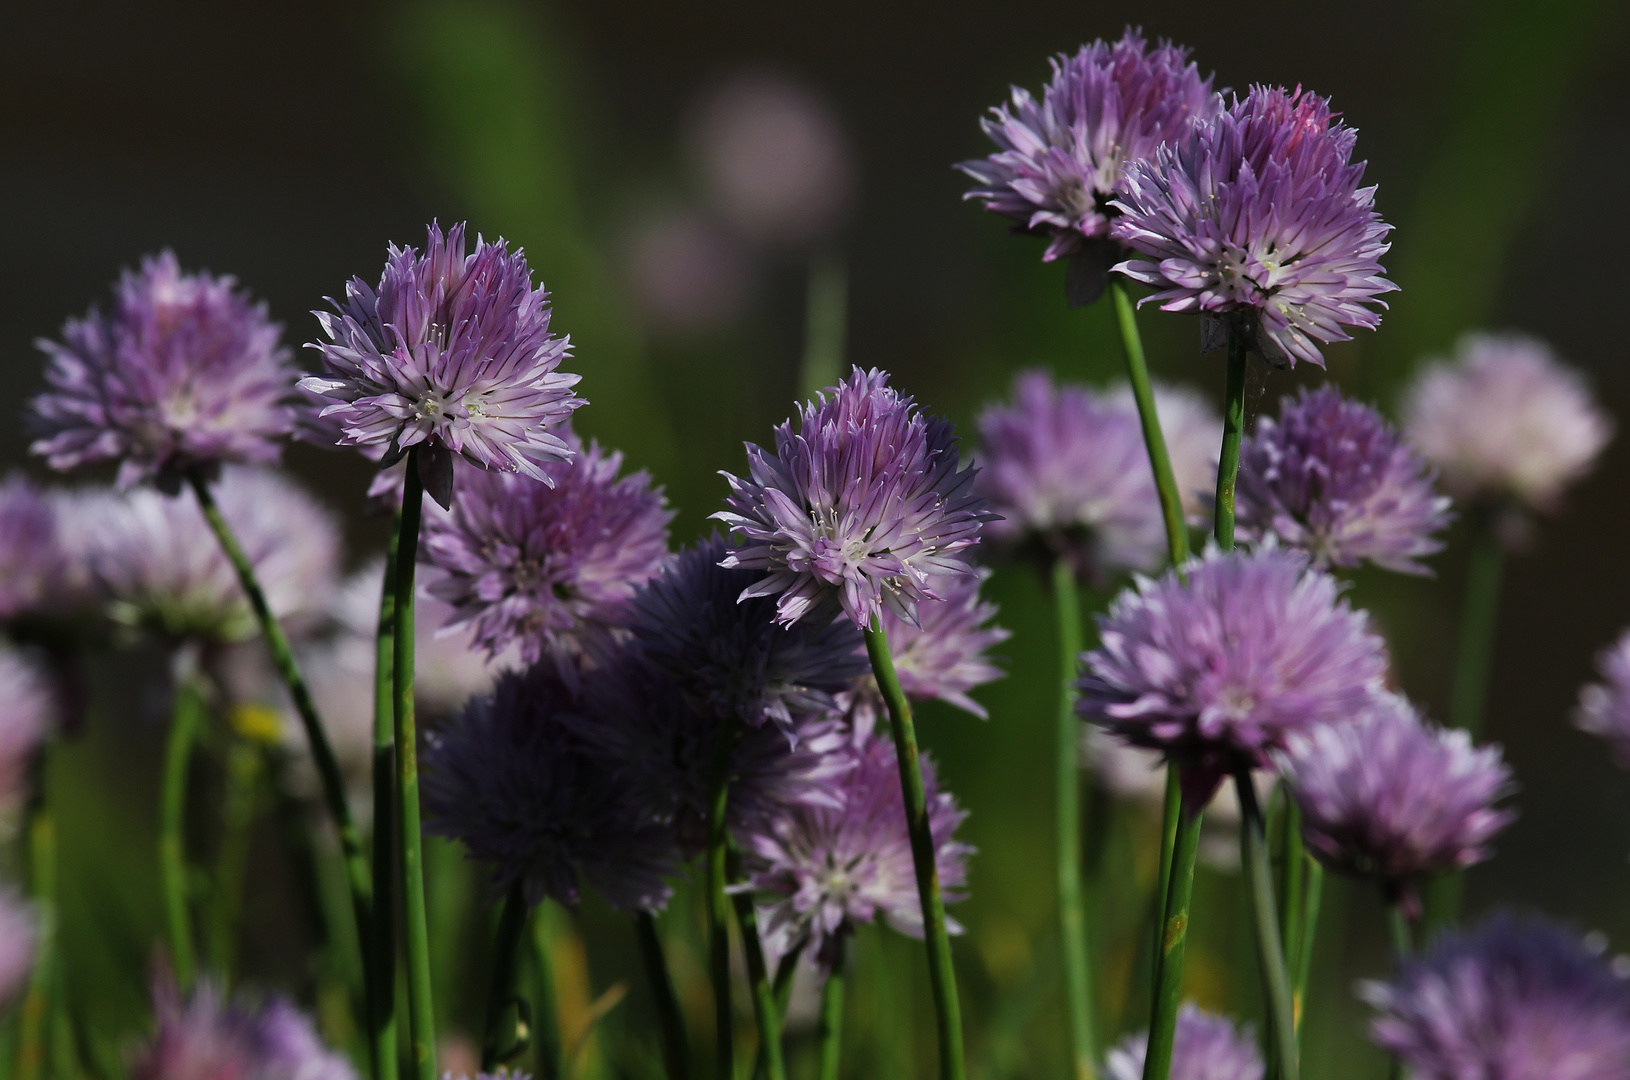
column 1205, row 1046
column 26, row 710
column 453, row 352
column 1190, row 426
column 185, row 373
column 208, row 1038
column 1332, row 478
column 1504, row 420
column 34, row 566
column 1391, row 798
column 19, row 936
column 547, row 567
column 1604, row 707
column 513, row 782
column 1218, row 667
column 730, row 657
column 1256, row 219
column 835, row 868
column 1059, row 159
column 866, row 505
column 1514, row 998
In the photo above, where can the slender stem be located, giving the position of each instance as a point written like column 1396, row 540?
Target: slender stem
column 1399, row 927
column 765, row 1013
column 505, row 1034
column 1170, row 813
column 785, row 969
column 1157, row 1061
column 232, row 861
column 1291, row 877
column 421, row 1010
column 675, row 1046
column 381, row 945
column 1270, row 952
column 1477, row 624
column 826, row 321
column 941, row 973
column 42, row 874
column 1233, row 430
column 1160, row 461
column 1312, row 893
column 546, row 1017
column 1071, row 913
column 186, row 718
column 718, row 904
column 830, row 1032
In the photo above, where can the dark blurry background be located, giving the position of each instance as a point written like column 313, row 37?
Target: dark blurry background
column 287, row 142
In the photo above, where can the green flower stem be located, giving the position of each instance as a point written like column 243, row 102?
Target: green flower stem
column 1302, row 969
column 506, row 1034
column 1258, row 874
column 36, row 1006
column 1398, row 926
column 941, row 974
column 675, row 1046
column 826, row 321
column 243, row 772
column 1174, row 923
column 1071, row 912
column 1233, row 431
column 830, row 1032
column 1137, row 374
column 380, row 946
column 765, row 1013
column 1170, row 813
column 718, row 904
column 421, row 1009
column 1477, row 622
column 186, row 720
column 785, row 969
column 551, row 1057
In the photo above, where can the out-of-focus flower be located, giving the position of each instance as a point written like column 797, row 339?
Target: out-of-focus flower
column 515, row 782
column 1205, row 1046
column 835, row 868
column 1255, row 218
column 1514, row 998
column 1193, row 433
column 1604, row 707
column 35, row 570
column 26, row 710
column 204, row 1038
column 1332, row 478
column 686, row 273
column 547, row 567
column 19, row 935
column 454, row 353
column 1218, row 666
column 1391, row 798
column 775, row 160
column 866, row 505
column 1504, row 420
column 185, row 372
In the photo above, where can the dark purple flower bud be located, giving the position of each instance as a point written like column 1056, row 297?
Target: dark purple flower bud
column 1205, row 1046
column 205, row 1038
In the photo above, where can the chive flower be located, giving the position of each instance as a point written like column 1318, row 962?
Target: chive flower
column 26, row 712
column 1604, row 707
column 1205, row 1046
column 205, row 1036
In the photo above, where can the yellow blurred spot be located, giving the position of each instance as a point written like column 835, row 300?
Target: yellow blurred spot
column 257, row 723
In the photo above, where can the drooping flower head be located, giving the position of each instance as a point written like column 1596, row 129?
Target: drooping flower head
column 1205, row 1046
column 454, row 353
column 1604, row 707
column 731, row 658
column 1505, row 421
column 514, row 781
column 546, row 567
column 865, row 504
column 19, row 935
column 1514, row 998
column 1256, row 219
column 1219, row 666
column 185, row 372
column 1395, row 799
column 831, row 869
column 1058, row 160
column 1190, row 425
column 26, row 710
column 205, row 1038
column 1332, row 478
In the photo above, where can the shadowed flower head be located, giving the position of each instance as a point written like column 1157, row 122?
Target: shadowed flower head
column 1505, row 420
column 731, row 658
column 546, row 566
column 519, row 787
column 1514, row 998
column 1059, row 159
column 835, row 868
column 454, row 353
column 1604, row 707
column 1190, row 426
column 19, row 934
column 1225, row 663
column 1205, row 1046
column 26, row 710
column 1256, row 218
column 865, row 504
column 1392, row 798
column 204, row 1038
column 185, row 372
column 1332, row 478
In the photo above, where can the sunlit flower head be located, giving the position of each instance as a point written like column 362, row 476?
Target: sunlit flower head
column 206, row 1038
column 1205, row 1046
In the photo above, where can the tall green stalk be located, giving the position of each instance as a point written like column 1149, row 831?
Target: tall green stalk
column 1174, row 927
column 1477, row 623
column 1302, row 964
column 941, row 973
column 505, row 1035
column 718, row 903
column 826, row 321
column 829, row 1034
column 551, row 1056
column 1258, row 874
column 36, row 1005
column 1170, row 813
column 243, row 771
column 421, row 1010
column 380, row 946
column 186, row 720
column 1067, row 830
column 1233, row 431
column 675, row 1046
column 1399, row 929
column 765, row 1012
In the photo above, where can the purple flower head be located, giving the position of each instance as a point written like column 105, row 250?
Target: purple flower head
column 514, row 782
column 731, row 658
column 1604, row 707
column 1256, row 218
column 1392, row 798
column 35, row 568
column 865, row 504
column 184, row 373
column 26, row 711
column 1205, row 1046
column 833, row 868
column 1513, row 999
column 19, row 935
column 547, row 567
column 1058, row 160
column 1505, row 421
column 1332, row 478
column 1220, row 666
column 453, row 352
column 205, row 1038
